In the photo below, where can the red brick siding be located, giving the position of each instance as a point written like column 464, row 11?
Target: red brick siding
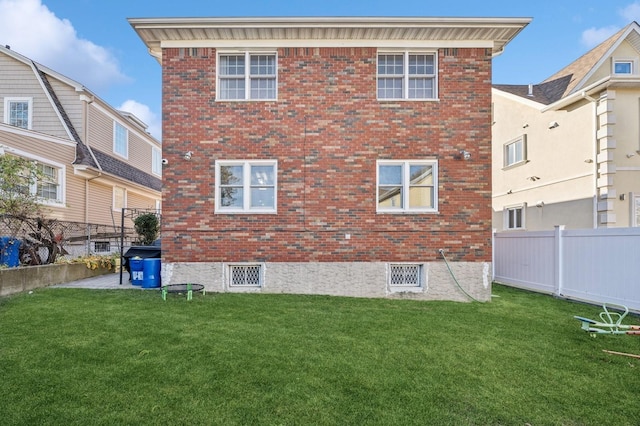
column 327, row 129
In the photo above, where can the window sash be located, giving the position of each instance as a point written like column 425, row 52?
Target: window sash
column 246, row 186
column 408, row 75
column 514, row 152
column 623, row 67
column 18, row 112
column 407, row 186
column 247, row 76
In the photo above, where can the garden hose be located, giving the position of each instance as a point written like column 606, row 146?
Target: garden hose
column 454, row 277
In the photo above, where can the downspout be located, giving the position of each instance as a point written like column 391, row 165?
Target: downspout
column 85, row 137
column 594, row 207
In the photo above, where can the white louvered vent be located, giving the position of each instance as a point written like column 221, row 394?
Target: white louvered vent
column 405, row 276
column 245, row 276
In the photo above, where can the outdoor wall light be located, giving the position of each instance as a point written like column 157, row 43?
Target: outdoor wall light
column 465, row 155
column 533, row 178
column 553, row 125
column 631, row 154
column 187, row 155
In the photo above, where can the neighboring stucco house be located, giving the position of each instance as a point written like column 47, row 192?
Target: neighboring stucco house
column 567, row 151
column 328, row 155
column 96, row 159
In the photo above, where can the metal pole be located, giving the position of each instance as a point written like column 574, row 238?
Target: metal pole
column 121, row 244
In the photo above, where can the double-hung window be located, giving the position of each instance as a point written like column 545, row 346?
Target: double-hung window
column 247, row 76
column 246, row 186
column 407, row 186
column 514, row 217
column 47, row 185
column 515, row 151
column 18, row 112
column 407, row 75
column 120, row 140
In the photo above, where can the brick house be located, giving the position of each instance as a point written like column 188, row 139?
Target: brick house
column 328, row 155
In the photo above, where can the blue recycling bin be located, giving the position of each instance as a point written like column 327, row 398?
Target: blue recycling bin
column 10, row 252
column 151, row 273
column 136, row 268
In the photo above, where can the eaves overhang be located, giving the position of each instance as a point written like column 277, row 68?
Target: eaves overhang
column 594, row 90
column 272, row 32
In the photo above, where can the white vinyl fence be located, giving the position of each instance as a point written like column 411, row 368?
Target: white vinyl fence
column 594, row 265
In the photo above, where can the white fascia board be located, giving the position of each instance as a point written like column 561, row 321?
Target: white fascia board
column 528, row 102
column 36, row 135
column 283, row 43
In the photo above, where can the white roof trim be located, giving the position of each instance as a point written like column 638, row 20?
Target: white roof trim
column 274, row 44
column 7, row 128
column 632, row 27
column 315, row 31
column 525, row 101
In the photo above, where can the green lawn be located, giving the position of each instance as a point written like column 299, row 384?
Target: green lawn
column 92, row 357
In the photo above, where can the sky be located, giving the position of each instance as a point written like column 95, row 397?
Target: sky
column 91, row 41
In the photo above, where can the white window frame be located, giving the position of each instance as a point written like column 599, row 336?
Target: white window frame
column 508, row 211
column 116, row 150
column 156, row 161
column 634, row 214
column 522, row 139
column 7, row 110
column 248, row 77
column 60, row 182
column 406, row 184
column 244, row 287
column 406, row 77
column 124, row 198
column 246, row 187
column 633, row 66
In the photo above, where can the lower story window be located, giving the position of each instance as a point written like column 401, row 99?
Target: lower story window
column 405, row 276
column 514, row 217
column 101, row 246
column 246, row 186
column 245, row 276
column 407, row 186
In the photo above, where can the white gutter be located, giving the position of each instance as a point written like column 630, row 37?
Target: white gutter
column 576, row 96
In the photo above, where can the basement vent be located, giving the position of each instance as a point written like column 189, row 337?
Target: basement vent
column 245, row 276
column 405, row 276
column 102, row 246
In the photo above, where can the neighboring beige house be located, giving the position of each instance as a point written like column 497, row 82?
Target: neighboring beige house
column 97, row 159
column 567, row 151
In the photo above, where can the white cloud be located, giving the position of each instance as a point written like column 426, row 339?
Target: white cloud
column 594, row 36
column 31, row 29
column 144, row 113
column 631, row 12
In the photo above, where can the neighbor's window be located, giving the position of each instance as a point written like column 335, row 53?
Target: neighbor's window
column 407, row 186
column 247, row 76
column 102, row 246
column 514, row 217
column 623, row 67
column 18, row 112
column 515, row 151
column 407, row 75
column 156, row 161
column 120, row 139
column 246, row 186
column 119, row 198
column 47, row 186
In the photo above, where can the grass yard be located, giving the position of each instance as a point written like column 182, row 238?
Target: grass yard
column 99, row 357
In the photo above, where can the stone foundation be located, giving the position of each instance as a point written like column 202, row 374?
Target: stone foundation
column 357, row 279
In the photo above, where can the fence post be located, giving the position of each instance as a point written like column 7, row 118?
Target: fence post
column 558, row 259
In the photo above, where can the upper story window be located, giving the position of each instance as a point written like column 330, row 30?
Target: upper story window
column 156, row 161
column 624, row 67
column 246, row 186
column 407, row 186
column 407, row 75
column 515, row 151
column 120, row 140
column 18, row 112
column 247, row 76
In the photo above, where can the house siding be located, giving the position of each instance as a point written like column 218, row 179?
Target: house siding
column 327, row 130
column 18, row 80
